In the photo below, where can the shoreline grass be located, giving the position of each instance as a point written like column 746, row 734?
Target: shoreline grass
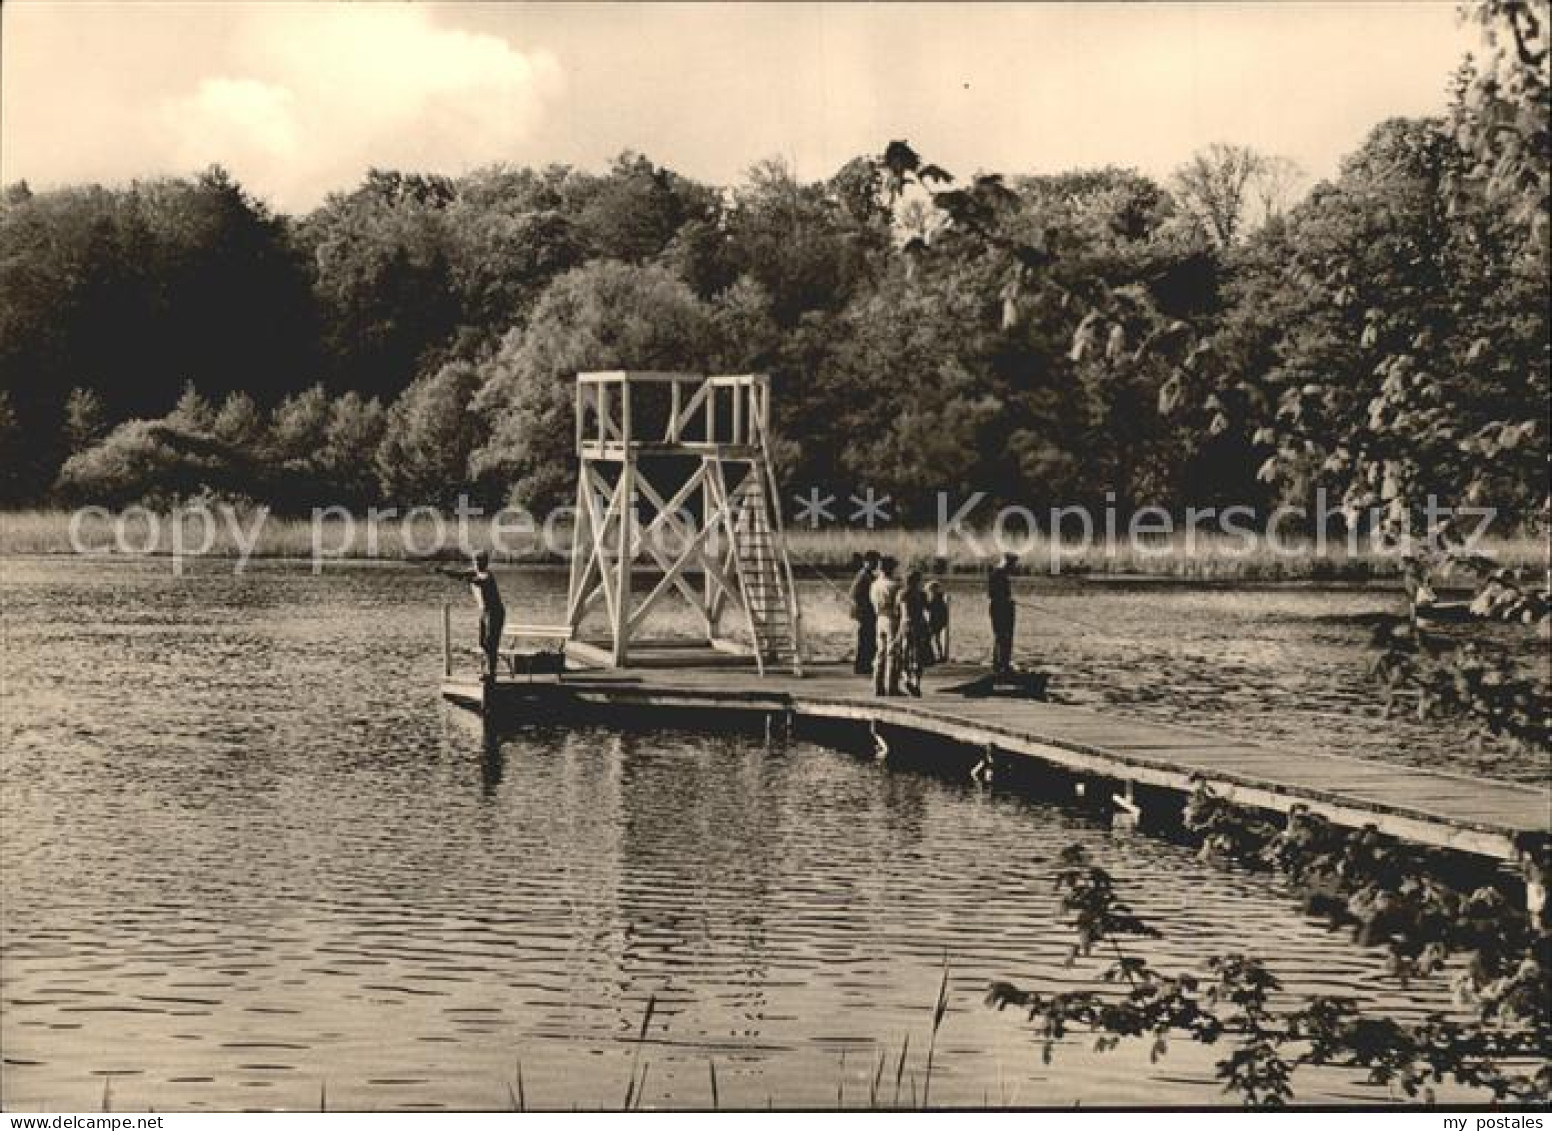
column 1199, row 557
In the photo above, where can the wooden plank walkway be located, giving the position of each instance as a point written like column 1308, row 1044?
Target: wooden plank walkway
column 1427, row 807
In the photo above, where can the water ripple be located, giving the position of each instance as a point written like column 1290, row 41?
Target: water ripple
column 244, row 839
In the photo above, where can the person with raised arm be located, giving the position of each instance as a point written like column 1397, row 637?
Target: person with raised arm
column 487, row 594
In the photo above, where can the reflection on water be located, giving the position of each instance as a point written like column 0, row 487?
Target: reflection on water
column 247, row 853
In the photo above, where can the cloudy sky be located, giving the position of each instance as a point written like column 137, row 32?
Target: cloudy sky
column 298, row 99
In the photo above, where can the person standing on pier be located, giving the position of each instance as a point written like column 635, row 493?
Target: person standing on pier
column 999, row 600
column 885, row 595
column 862, row 613
column 937, row 623
column 487, row 595
column 914, row 633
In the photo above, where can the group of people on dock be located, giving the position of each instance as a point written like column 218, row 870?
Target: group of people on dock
column 903, row 626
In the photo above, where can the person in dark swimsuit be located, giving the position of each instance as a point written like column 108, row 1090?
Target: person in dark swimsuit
column 937, row 623
column 862, row 612
column 493, row 614
column 914, row 642
column 999, row 599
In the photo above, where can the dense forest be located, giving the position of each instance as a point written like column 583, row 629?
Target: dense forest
column 1046, row 339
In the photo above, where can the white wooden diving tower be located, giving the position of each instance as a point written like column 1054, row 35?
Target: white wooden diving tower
column 675, row 482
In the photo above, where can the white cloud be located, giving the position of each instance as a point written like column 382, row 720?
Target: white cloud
column 254, row 121
column 300, row 98
column 316, row 94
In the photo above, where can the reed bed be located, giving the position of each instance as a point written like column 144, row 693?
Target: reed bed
column 1200, row 556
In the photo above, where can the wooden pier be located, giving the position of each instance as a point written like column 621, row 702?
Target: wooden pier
column 688, row 455
column 1433, row 808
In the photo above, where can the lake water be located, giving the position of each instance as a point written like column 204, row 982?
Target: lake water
column 249, row 857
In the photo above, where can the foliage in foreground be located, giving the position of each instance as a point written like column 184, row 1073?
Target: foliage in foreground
column 1390, row 895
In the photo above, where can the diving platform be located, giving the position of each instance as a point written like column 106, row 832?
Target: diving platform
column 677, row 502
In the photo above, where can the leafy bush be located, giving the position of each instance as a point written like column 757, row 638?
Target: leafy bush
column 154, row 461
column 428, row 436
column 1390, row 895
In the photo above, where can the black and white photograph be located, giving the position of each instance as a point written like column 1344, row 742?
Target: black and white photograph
column 775, row 557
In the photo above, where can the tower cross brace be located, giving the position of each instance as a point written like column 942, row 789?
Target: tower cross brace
column 676, row 492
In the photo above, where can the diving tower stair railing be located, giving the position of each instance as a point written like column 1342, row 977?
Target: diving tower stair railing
column 765, row 575
column 683, row 458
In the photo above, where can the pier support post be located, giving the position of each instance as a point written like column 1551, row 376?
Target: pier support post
column 447, row 640
column 1128, row 812
column 880, row 743
column 981, row 773
column 1534, row 857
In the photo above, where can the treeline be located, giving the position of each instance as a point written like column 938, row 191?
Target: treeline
column 416, row 337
